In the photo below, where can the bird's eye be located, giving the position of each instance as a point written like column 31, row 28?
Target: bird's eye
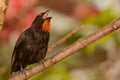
column 40, row 14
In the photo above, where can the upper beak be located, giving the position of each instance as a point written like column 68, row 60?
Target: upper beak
column 43, row 13
column 46, row 12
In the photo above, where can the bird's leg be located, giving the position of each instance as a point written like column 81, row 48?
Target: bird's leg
column 23, row 71
column 42, row 62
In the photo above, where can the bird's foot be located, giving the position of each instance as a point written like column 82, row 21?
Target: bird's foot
column 23, row 71
column 42, row 62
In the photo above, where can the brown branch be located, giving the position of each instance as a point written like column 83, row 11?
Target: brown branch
column 3, row 7
column 74, row 31
column 81, row 43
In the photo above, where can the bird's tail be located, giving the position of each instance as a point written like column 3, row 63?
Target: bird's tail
column 15, row 67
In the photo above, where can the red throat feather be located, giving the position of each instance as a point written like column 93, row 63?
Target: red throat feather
column 46, row 26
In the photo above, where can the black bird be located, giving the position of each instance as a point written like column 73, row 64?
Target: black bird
column 32, row 44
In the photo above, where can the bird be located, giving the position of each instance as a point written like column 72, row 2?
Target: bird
column 31, row 46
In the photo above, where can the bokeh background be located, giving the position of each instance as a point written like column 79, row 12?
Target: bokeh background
column 98, row 61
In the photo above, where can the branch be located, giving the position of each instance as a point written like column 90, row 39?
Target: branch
column 74, row 31
column 79, row 44
column 3, row 7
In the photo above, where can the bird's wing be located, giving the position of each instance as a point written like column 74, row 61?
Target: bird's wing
column 20, row 43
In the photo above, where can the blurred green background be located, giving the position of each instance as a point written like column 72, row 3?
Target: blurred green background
column 98, row 61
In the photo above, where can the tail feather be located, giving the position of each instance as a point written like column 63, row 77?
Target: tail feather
column 15, row 67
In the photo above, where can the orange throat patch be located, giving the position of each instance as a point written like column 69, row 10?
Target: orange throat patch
column 46, row 26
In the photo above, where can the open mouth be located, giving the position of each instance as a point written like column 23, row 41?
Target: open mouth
column 45, row 16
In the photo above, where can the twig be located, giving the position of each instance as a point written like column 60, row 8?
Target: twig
column 74, row 31
column 81, row 43
column 3, row 7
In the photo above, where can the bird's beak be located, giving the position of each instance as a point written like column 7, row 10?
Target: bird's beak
column 46, row 11
column 45, row 15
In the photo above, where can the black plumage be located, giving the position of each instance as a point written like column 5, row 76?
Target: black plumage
column 31, row 46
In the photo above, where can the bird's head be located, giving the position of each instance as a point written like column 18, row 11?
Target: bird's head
column 42, row 21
